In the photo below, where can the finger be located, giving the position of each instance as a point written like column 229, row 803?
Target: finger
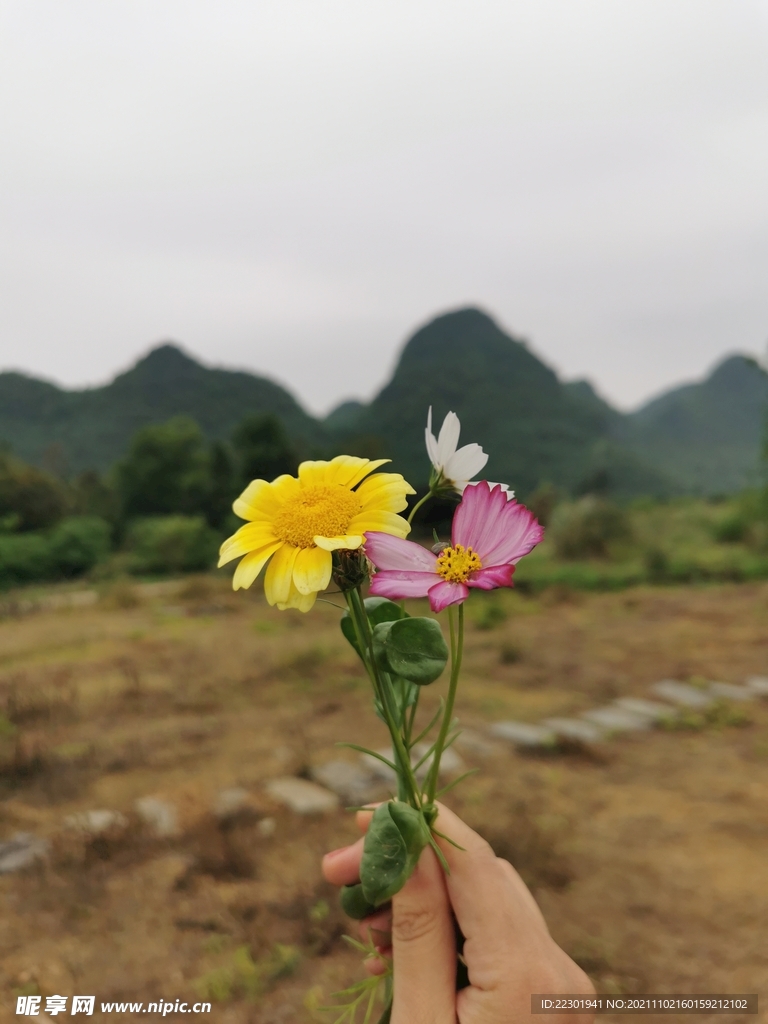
column 423, row 947
column 363, row 818
column 377, row 928
column 342, row 867
column 484, row 893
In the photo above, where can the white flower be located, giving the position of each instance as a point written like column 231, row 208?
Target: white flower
column 452, row 468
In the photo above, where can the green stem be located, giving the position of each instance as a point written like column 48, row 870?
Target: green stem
column 457, row 650
column 365, row 640
column 418, row 505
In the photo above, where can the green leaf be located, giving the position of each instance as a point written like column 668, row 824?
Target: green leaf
column 353, row 902
column 413, row 648
column 378, row 610
column 393, row 844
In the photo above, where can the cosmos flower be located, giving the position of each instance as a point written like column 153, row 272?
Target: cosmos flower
column 490, row 534
column 451, row 468
column 298, row 521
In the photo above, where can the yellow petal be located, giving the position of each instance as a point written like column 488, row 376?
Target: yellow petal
column 351, row 541
column 349, row 470
column 385, row 522
column 262, row 500
column 277, row 582
column 302, row 602
column 314, row 472
column 312, row 570
column 250, row 566
column 385, row 492
column 248, row 538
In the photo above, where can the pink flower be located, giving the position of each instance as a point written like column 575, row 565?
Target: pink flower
column 490, row 534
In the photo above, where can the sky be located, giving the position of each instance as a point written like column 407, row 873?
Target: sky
column 292, row 187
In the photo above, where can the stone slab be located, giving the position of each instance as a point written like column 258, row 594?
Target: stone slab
column 353, row 783
column 20, row 852
column 683, row 694
column 758, row 685
column 229, row 802
column 615, row 719
column 524, row 734
column 475, row 744
column 450, row 762
column 97, row 822
column 727, row 691
column 575, row 729
column 161, row 816
column 302, row 796
column 653, row 710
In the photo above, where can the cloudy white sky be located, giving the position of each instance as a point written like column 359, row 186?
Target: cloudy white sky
column 291, row 186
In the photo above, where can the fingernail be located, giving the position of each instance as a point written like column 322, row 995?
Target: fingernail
column 335, row 853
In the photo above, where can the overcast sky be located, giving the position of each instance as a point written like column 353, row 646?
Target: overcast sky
column 292, row 186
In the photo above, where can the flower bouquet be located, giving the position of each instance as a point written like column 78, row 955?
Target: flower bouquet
column 340, row 521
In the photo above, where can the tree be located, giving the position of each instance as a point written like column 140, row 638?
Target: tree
column 262, row 449
column 166, row 470
column 29, row 498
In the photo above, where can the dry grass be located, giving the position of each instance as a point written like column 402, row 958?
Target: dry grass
column 649, row 863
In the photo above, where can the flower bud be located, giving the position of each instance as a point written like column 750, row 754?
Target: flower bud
column 350, row 569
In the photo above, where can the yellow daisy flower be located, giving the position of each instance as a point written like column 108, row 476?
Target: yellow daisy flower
column 298, row 522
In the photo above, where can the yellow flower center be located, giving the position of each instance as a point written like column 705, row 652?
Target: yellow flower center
column 456, row 564
column 319, row 510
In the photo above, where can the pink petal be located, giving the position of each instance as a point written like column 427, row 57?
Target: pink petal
column 388, row 552
column 518, row 532
column 396, row 584
column 476, row 521
column 445, row 593
column 492, row 577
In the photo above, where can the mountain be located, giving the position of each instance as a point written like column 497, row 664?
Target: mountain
column 534, row 427
column 93, row 426
column 707, row 436
column 700, row 438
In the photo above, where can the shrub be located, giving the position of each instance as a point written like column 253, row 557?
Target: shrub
column 731, row 529
column 24, row 558
column 588, row 528
column 77, row 544
column 33, row 498
column 166, row 544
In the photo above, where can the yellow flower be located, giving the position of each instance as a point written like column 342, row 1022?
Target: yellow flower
column 298, row 522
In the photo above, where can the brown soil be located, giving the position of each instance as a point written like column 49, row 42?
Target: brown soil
column 648, row 857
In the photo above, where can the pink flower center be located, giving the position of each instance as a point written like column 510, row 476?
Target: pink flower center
column 456, row 564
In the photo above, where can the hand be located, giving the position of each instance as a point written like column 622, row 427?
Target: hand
column 508, row 950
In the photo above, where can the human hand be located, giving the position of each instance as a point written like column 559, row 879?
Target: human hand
column 508, row 950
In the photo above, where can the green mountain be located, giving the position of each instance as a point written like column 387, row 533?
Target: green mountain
column 707, row 436
column 701, row 438
column 92, row 428
column 534, row 427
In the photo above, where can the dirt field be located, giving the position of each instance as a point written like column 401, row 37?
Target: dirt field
column 649, row 858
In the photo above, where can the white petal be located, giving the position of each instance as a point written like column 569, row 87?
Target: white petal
column 448, row 439
column 466, row 462
column 429, row 437
column 505, row 487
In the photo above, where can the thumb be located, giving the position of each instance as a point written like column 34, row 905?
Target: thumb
column 424, row 948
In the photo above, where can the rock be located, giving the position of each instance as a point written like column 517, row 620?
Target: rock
column 302, row 796
column 450, row 762
column 95, row 823
column 727, row 691
column 617, row 719
column 758, row 685
column 20, row 851
column 575, row 729
column 228, row 802
column 355, row 785
column 161, row 816
column 267, row 827
column 682, row 693
column 523, row 734
column 475, row 743
column 650, row 709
